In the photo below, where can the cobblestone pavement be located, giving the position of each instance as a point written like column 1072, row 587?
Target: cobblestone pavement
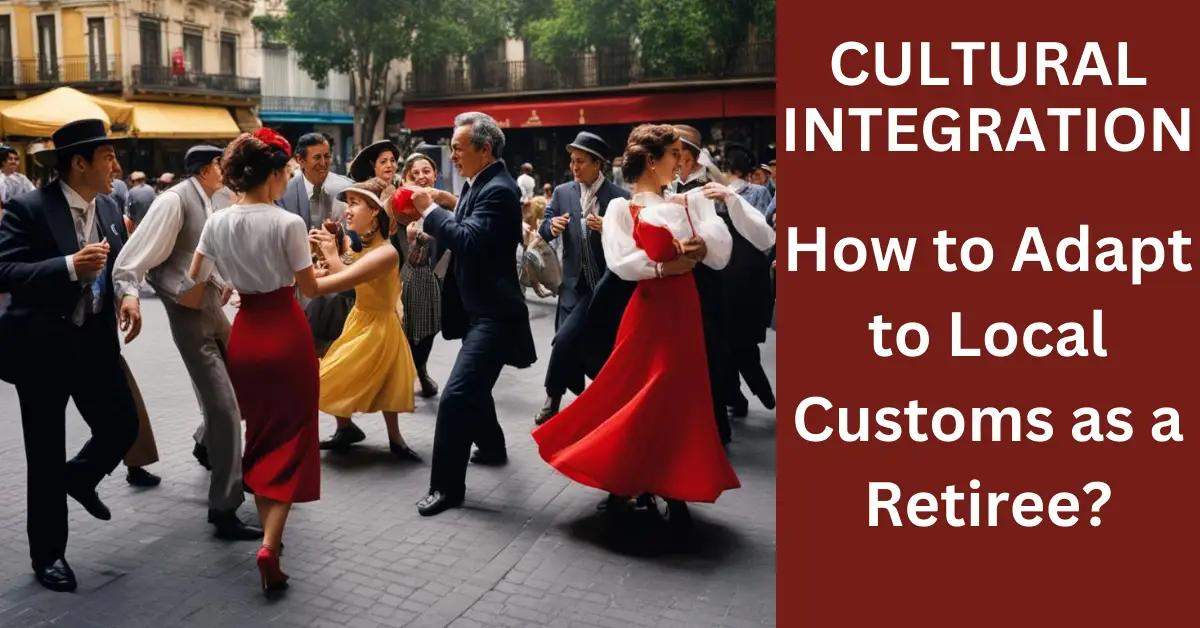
column 528, row 548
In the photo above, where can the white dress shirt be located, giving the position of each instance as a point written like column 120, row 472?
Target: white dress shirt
column 750, row 223
column 83, row 216
column 153, row 241
column 629, row 262
column 588, row 196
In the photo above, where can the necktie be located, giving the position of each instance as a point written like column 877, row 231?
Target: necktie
column 462, row 199
column 91, row 287
column 317, row 206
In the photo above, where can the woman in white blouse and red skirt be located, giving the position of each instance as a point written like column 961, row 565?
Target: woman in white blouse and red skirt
column 263, row 251
column 646, row 424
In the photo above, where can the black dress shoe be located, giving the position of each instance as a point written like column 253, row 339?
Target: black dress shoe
column 90, row 501
column 613, row 504
column 138, row 476
column 549, row 409
column 490, row 459
column 230, row 528
column 200, row 453
column 55, row 575
column 767, row 397
column 436, row 502
column 404, row 452
column 429, row 388
column 344, row 437
column 678, row 516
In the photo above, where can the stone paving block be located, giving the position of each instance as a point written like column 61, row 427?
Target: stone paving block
column 528, row 550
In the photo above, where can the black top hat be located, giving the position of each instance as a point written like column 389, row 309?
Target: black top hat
column 74, row 135
column 362, row 167
column 591, row 143
column 199, row 156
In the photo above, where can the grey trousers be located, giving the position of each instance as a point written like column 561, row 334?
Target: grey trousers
column 201, row 336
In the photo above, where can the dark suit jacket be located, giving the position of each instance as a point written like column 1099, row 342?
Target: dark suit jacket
column 295, row 197
column 482, row 235
column 565, row 200
column 35, row 234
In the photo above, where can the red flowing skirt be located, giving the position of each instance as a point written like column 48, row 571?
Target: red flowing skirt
column 273, row 367
column 646, row 424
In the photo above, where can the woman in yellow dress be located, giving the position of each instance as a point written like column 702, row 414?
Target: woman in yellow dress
column 369, row 368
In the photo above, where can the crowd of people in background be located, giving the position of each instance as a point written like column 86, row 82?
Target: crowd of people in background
column 660, row 256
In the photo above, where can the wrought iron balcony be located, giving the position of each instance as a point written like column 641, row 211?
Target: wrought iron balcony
column 293, row 104
column 40, row 73
column 585, row 71
column 163, row 79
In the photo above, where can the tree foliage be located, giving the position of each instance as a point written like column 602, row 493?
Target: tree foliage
column 361, row 38
column 671, row 37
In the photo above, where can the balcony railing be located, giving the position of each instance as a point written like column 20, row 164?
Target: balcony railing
column 305, row 105
column 585, row 71
column 40, row 72
column 162, row 78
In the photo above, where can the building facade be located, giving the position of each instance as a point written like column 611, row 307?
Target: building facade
column 544, row 106
column 293, row 103
column 200, row 59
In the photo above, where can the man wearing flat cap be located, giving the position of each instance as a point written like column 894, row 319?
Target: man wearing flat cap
column 59, row 336
column 574, row 213
column 161, row 252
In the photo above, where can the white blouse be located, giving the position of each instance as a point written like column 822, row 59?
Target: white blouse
column 631, row 263
column 257, row 248
column 750, row 222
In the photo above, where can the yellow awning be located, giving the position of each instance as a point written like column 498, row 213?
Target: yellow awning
column 182, row 122
column 40, row 115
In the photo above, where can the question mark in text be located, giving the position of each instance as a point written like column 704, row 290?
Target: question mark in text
column 1105, row 493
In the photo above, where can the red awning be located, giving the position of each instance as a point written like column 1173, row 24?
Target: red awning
column 624, row 109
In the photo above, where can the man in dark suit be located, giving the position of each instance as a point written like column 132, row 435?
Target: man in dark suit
column 312, row 195
column 482, row 303
column 575, row 212
column 59, row 336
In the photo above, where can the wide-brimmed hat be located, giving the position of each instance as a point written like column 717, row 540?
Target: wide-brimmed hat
column 362, row 167
column 591, row 143
column 75, row 135
column 378, row 194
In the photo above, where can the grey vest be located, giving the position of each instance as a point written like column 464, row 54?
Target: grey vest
column 170, row 278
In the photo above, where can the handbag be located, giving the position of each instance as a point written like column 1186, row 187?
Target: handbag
column 418, row 253
column 540, row 265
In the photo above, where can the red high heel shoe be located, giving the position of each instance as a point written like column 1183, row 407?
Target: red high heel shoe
column 273, row 578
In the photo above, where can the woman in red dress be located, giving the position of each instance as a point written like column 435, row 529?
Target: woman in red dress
column 262, row 250
column 646, row 425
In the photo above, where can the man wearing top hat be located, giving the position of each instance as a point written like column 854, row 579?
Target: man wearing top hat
column 59, row 336
column 161, row 252
column 575, row 213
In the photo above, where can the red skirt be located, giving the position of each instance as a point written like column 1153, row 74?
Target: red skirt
column 646, row 424
column 273, row 367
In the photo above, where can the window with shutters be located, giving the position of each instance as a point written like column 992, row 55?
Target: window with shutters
column 193, row 51
column 228, row 54
column 150, row 32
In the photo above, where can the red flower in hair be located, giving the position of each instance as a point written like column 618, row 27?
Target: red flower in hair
column 271, row 138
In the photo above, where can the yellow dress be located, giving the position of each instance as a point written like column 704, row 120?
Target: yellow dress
column 369, row 368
